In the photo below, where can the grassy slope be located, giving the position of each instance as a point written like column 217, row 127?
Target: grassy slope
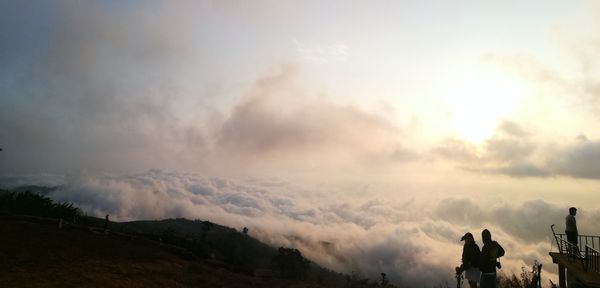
column 35, row 253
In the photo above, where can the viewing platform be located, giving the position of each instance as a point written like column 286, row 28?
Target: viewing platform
column 577, row 263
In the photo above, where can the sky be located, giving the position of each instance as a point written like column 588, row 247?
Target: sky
column 370, row 134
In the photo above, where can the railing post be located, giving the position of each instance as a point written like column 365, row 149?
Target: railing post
column 556, row 238
column 586, row 259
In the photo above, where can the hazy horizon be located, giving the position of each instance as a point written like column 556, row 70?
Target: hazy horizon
column 371, row 135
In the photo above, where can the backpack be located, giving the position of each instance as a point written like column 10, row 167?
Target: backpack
column 500, row 250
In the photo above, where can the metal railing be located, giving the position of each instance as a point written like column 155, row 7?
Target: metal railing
column 583, row 240
column 568, row 248
column 592, row 259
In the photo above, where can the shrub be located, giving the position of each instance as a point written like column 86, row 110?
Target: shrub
column 30, row 203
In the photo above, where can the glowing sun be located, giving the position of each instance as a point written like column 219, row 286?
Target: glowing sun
column 480, row 99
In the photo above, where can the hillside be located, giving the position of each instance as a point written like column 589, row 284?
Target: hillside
column 34, row 252
column 38, row 249
column 200, row 240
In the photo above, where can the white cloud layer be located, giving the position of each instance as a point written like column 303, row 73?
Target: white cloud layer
column 411, row 242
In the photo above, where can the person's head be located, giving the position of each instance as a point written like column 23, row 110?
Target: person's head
column 573, row 211
column 486, row 236
column 468, row 238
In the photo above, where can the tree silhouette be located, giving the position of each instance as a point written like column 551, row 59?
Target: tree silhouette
column 30, row 203
column 206, row 226
column 384, row 281
column 290, row 264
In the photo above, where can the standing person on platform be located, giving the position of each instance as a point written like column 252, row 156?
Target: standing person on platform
column 571, row 226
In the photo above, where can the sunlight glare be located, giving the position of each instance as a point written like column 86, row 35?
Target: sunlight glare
column 480, row 100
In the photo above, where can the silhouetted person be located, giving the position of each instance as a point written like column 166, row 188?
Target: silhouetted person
column 470, row 260
column 490, row 252
column 106, row 222
column 571, row 226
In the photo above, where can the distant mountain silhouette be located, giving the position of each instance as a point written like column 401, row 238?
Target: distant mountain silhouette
column 42, row 190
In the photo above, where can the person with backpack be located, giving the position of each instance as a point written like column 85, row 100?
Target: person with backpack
column 470, row 260
column 490, row 252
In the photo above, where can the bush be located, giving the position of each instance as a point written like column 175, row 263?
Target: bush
column 30, row 203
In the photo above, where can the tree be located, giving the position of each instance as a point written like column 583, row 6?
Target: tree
column 30, row 203
column 384, row 281
column 290, row 264
column 206, row 226
column 526, row 280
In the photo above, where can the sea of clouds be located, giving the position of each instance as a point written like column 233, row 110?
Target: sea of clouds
column 415, row 243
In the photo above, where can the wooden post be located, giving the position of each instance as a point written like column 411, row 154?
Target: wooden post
column 561, row 276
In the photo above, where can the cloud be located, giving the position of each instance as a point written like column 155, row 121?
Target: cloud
column 414, row 243
column 276, row 122
column 110, row 87
column 580, row 160
column 506, row 147
column 509, row 151
column 529, row 221
column 564, row 94
column 518, row 170
column 322, row 53
column 91, row 91
column 516, row 152
column 10, row 181
column 368, row 236
column 528, row 66
column 456, row 149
